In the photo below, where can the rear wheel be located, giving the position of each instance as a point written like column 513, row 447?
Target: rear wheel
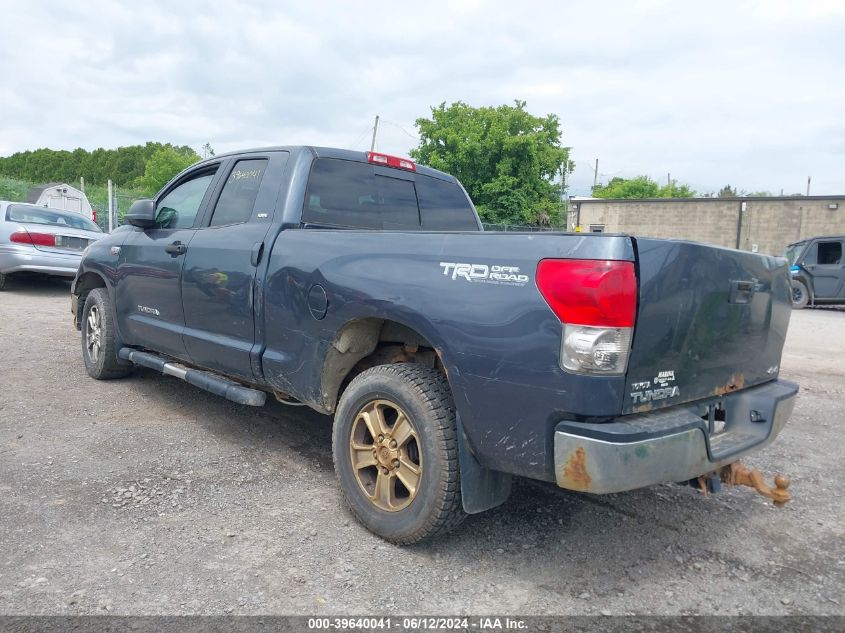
column 396, row 453
column 800, row 294
column 99, row 344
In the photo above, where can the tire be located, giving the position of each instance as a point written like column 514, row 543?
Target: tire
column 800, row 294
column 383, row 398
column 99, row 344
column 2, row 281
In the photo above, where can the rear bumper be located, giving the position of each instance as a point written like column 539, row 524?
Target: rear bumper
column 27, row 259
column 672, row 445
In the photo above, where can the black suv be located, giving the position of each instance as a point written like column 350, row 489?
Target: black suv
column 818, row 271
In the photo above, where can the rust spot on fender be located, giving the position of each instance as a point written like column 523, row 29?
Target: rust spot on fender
column 575, row 475
column 736, row 383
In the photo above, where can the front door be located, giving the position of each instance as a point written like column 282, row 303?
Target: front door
column 219, row 277
column 826, row 265
column 148, row 291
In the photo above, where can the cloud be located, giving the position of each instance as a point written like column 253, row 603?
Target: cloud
column 724, row 92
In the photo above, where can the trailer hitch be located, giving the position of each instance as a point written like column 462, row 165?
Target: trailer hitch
column 738, row 475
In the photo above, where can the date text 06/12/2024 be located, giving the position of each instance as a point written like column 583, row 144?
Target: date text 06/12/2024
column 419, row 623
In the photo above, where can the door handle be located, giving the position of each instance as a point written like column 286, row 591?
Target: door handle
column 176, row 248
column 256, row 253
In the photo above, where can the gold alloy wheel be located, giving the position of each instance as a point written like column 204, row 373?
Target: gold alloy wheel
column 385, row 454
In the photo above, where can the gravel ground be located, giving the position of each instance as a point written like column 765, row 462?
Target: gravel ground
column 149, row 496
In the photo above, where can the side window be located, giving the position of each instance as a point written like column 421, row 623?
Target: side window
column 444, row 206
column 178, row 209
column 829, row 253
column 350, row 194
column 237, row 199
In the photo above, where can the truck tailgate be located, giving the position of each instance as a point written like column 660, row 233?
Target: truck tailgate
column 710, row 321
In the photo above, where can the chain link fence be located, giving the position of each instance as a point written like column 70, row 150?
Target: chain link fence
column 121, row 201
column 519, row 227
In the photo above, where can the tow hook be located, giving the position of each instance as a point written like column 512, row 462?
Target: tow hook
column 738, row 475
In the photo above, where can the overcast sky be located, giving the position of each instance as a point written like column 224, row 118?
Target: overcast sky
column 746, row 93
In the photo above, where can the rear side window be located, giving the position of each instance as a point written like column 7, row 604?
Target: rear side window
column 349, row 194
column 444, row 206
column 824, row 253
column 830, row 253
column 239, row 193
column 42, row 215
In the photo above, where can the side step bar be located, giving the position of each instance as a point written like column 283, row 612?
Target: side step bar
column 197, row 377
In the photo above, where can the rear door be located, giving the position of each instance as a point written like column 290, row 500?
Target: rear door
column 148, row 291
column 219, row 277
column 710, row 321
column 823, row 259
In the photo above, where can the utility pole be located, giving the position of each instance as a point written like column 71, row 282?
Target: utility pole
column 82, row 184
column 669, row 180
column 808, row 185
column 110, row 198
column 375, row 130
column 562, row 187
column 596, row 174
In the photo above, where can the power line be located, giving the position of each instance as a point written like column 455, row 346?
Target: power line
column 413, row 136
column 360, row 137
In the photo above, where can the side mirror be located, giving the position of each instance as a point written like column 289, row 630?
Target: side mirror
column 142, row 214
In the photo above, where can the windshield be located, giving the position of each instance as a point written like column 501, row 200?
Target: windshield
column 51, row 217
column 792, row 252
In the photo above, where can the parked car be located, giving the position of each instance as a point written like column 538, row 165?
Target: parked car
column 362, row 285
column 36, row 239
column 818, row 271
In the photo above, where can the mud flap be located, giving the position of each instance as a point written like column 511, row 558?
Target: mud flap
column 481, row 488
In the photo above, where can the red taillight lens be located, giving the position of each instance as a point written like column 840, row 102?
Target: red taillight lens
column 36, row 239
column 391, row 161
column 596, row 292
column 93, row 215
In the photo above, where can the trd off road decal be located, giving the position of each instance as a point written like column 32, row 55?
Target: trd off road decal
column 482, row 273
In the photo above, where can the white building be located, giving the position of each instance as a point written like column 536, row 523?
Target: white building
column 60, row 195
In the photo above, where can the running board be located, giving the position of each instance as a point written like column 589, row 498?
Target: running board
column 203, row 379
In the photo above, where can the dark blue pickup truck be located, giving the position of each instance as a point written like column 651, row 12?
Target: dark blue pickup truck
column 362, row 285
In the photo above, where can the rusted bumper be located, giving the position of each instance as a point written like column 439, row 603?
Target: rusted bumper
column 672, row 445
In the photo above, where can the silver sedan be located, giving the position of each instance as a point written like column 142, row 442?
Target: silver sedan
column 42, row 240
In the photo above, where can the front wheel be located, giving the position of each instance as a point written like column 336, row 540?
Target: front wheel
column 800, row 294
column 396, row 452
column 99, row 343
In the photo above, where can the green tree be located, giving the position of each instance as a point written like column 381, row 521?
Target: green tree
column 727, row 192
column 164, row 164
column 505, row 157
column 619, row 188
column 641, row 187
column 674, row 190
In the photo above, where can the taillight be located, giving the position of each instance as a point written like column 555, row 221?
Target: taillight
column 36, row 239
column 391, row 161
column 596, row 300
column 93, row 215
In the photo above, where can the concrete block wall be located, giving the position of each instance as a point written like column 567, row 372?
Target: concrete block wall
column 768, row 225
